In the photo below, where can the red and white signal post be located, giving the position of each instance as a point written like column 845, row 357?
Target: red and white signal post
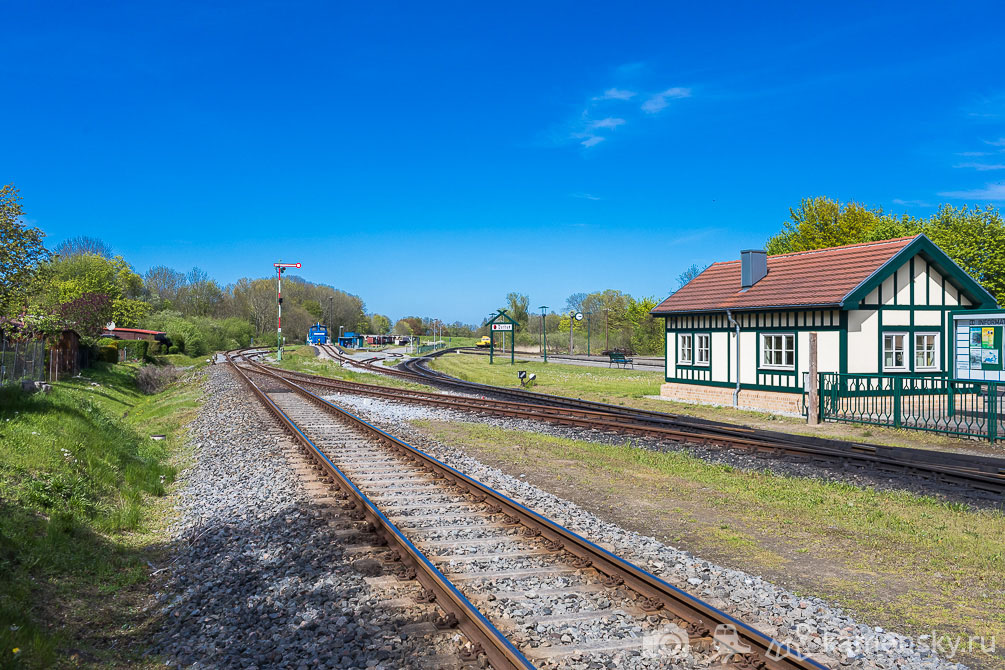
column 279, row 301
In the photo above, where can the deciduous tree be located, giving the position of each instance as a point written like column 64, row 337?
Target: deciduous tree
column 21, row 253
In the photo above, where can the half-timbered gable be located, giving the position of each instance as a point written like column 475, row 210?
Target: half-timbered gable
column 738, row 333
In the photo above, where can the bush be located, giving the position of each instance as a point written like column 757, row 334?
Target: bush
column 174, row 350
column 135, row 349
column 109, row 354
column 152, row 378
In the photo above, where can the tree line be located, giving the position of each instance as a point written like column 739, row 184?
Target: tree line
column 81, row 285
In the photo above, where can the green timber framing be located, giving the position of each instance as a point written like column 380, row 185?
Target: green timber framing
column 801, row 318
column 762, row 322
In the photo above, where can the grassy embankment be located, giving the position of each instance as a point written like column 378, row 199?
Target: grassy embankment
column 630, row 388
column 82, row 512
column 912, row 563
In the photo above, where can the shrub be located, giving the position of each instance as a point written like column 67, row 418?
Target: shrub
column 152, row 378
column 173, row 349
column 109, row 354
column 135, row 349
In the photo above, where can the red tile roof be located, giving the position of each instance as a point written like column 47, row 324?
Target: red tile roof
column 822, row 277
column 135, row 330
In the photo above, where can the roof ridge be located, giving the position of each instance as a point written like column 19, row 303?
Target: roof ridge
column 848, row 246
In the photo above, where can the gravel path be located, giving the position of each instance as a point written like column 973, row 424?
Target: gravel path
column 810, row 624
column 261, row 578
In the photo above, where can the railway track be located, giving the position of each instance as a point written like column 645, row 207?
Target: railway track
column 980, row 475
column 478, row 556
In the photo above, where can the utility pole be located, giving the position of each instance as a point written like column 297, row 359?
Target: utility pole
column 544, row 334
column 572, row 320
column 607, row 329
column 588, row 314
column 279, row 301
column 330, row 317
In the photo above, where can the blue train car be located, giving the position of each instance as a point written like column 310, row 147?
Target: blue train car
column 318, row 334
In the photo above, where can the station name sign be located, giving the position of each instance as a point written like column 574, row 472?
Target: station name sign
column 502, row 326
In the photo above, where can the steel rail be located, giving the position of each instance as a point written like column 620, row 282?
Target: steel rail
column 886, row 459
column 701, row 618
column 994, row 467
column 499, row 651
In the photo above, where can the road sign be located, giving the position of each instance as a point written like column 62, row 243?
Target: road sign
column 502, row 326
column 579, row 316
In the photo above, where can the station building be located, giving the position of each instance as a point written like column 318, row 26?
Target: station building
column 738, row 333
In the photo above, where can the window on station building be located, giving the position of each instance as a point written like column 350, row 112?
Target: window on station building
column 894, row 351
column 685, row 349
column 702, row 348
column 926, row 351
column 778, row 351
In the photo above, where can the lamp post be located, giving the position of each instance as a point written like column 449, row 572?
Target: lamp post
column 330, row 319
column 280, row 267
column 588, row 314
column 544, row 333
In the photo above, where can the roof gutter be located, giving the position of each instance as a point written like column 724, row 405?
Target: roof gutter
column 736, row 391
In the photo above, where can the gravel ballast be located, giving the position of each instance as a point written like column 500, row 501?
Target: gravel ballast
column 259, row 577
column 810, row 624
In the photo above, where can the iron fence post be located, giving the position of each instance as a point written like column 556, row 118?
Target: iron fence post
column 896, row 402
column 992, row 412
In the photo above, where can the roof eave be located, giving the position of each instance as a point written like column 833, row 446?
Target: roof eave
column 741, row 308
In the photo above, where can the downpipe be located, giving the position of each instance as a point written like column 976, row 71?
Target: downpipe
column 736, row 391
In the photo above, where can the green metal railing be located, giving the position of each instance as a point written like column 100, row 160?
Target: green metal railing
column 932, row 403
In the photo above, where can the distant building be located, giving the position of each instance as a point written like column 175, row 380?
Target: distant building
column 351, row 340
column 136, row 334
column 879, row 307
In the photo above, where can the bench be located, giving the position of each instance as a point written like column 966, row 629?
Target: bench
column 620, row 360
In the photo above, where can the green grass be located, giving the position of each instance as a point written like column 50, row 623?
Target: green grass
column 917, row 562
column 630, row 388
column 80, row 483
column 608, row 385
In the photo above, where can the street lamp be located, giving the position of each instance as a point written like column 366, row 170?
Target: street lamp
column 280, row 267
column 588, row 314
column 544, row 333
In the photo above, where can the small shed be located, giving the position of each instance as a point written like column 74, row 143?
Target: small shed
column 65, row 355
column 351, row 340
column 136, row 334
column 738, row 333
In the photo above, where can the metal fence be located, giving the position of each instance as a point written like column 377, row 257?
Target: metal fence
column 926, row 402
column 21, row 360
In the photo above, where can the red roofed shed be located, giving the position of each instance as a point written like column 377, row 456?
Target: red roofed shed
column 739, row 331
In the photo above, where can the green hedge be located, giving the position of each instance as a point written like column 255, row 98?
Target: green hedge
column 135, row 349
column 109, row 354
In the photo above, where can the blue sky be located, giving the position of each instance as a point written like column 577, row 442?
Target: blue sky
column 432, row 157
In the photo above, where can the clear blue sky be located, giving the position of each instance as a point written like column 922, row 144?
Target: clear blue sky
column 431, row 157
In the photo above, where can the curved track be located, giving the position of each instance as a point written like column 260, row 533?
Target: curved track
column 448, row 531
column 982, row 475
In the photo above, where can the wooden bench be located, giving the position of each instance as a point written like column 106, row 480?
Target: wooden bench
column 620, row 360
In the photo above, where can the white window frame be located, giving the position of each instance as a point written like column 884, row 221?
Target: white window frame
column 905, row 349
column 764, row 352
column 707, row 349
column 680, row 349
column 937, row 366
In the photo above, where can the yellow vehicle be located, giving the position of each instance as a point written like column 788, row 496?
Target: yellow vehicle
column 485, row 342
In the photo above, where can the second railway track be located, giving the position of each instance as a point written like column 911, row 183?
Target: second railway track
column 979, row 476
